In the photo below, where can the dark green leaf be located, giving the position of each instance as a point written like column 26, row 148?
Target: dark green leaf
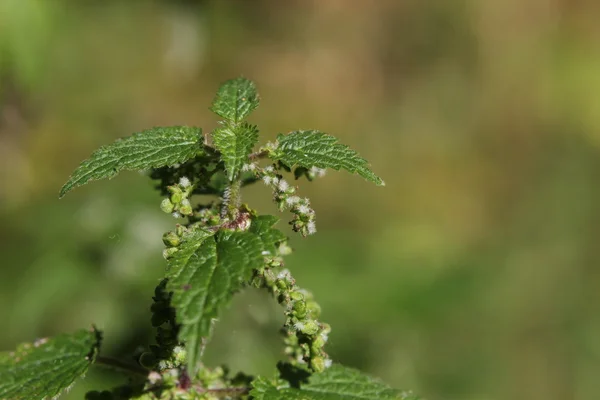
column 335, row 383
column 203, row 275
column 316, row 149
column 235, row 100
column 152, row 148
column 45, row 368
column 270, row 237
column 235, row 142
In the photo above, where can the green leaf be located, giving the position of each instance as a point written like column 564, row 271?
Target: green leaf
column 235, row 142
column 335, row 383
column 203, row 275
column 45, row 368
column 317, row 149
column 152, row 148
column 235, row 99
column 270, row 237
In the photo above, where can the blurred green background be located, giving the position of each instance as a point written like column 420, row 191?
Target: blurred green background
column 472, row 275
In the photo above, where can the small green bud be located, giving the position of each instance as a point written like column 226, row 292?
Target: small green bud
column 167, row 206
column 296, row 296
column 299, row 308
column 171, row 239
column 310, row 327
column 168, row 253
column 180, row 230
column 148, row 360
column 176, row 197
column 313, row 308
column 281, row 284
column 186, row 208
column 318, row 344
column 284, row 249
column 318, row 364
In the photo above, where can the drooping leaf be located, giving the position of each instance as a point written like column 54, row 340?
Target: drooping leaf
column 313, row 148
column 270, row 237
column 203, row 275
column 335, row 383
column 45, row 368
column 235, row 99
column 235, row 142
column 152, row 148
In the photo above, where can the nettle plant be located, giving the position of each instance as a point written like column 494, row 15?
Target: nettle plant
column 215, row 250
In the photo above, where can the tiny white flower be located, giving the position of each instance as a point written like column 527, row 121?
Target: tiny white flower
column 185, row 182
column 267, row 179
column 284, row 274
column 303, row 209
column 283, row 185
column 266, row 253
column 320, row 172
column 324, row 336
column 275, row 180
column 185, row 203
column 311, row 227
column 176, row 215
column 269, row 169
column 298, row 326
column 328, row 363
column 292, row 200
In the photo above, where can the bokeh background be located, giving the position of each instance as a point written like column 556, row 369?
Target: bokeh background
column 472, row 275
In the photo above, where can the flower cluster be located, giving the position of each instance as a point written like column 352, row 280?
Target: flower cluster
column 285, row 196
column 178, row 203
column 305, row 336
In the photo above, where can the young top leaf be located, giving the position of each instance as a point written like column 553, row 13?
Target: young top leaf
column 203, row 275
column 44, row 369
column 235, row 100
column 235, row 142
column 152, row 148
column 317, row 149
column 335, row 383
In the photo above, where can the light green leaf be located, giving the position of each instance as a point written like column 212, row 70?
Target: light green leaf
column 235, row 100
column 270, row 237
column 335, row 383
column 317, row 149
column 235, row 142
column 152, row 148
column 45, row 368
column 203, row 275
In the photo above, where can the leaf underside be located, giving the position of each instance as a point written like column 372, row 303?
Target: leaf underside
column 235, row 100
column 203, row 275
column 335, row 383
column 311, row 148
column 44, row 369
column 151, row 148
column 235, row 142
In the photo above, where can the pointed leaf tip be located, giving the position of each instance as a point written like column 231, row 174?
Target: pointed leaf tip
column 235, row 100
column 312, row 148
column 151, row 148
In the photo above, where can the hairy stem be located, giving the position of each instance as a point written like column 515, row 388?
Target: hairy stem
column 232, row 199
column 123, row 366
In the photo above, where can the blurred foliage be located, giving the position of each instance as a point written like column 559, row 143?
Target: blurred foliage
column 472, row 275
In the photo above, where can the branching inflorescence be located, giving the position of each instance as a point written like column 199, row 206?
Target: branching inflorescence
column 217, row 248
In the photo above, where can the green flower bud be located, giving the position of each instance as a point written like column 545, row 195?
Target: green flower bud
column 148, row 360
column 179, row 355
column 186, row 209
column 318, row 344
column 309, row 327
column 281, row 284
column 296, row 296
column 176, row 197
column 318, row 364
column 171, row 239
column 299, row 308
column 313, row 308
column 180, row 230
column 167, row 206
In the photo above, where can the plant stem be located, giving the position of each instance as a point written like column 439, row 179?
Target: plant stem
column 258, row 155
column 232, row 199
column 119, row 365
